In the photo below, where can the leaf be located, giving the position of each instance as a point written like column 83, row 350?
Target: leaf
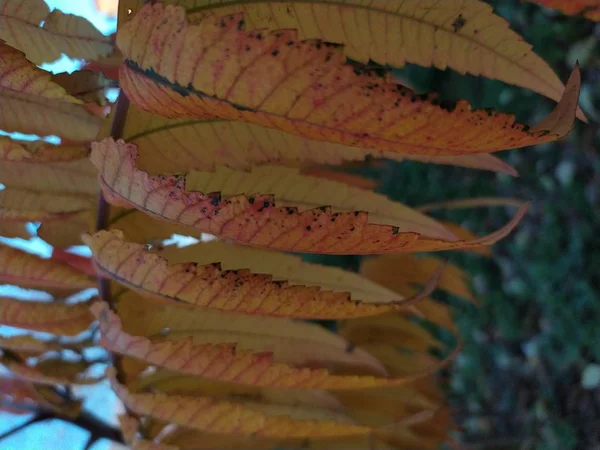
column 396, row 271
column 84, row 85
column 60, row 33
column 247, row 418
column 465, row 36
column 66, row 233
column 393, row 329
column 290, row 342
column 240, row 279
column 170, row 382
column 32, row 206
column 144, row 229
column 48, row 168
column 81, row 263
column 107, row 66
column 254, row 218
column 589, row 8
column 25, row 343
column 27, row 270
column 14, row 230
column 57, row 374
column 57, row 318
column 33, row 103
column 305, row 88
column 171, row 146
column 223, row 362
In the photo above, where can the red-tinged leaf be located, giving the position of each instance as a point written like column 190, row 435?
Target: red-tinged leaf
column 44, row 36
column 33, row 103
column 57, row 318
column 246, row 280
column 256, row 219
column 443, row 34
column 306, row 88
column 81, row 263
column 224, row 362
column 27, row 270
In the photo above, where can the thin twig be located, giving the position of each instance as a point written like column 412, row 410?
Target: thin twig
column 40, row 417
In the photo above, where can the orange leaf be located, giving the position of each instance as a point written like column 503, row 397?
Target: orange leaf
column 247, row 418
column 171, row 146
column 224, row 362
column 256, row 220
column 60, row 33
column 246, row 280
column 304, row 88
column 291, row 342
column 57, row 318
column 589, row 8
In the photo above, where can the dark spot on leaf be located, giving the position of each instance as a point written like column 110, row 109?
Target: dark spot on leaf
column 395, row 231
column 350, row 348
column 308, row 228
column 240, row 25
column 458, row 23
column 289, row 43
column 275, row 52
column 251, row 200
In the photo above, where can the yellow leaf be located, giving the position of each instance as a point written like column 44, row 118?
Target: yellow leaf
column 465, row 36
column 242, row 213
column 397, row 271
column 305, row 88
column 33, row 103
column 290, row 342
column 47, row 168
column 27, row 270
column 388, row 329
column 222, row 276
column 57, row 318
column 60, row 33
column 224, row 362
column 172, row 146
column 244, row 418
column 137, row 226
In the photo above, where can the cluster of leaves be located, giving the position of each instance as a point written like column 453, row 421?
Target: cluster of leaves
column 239, row 114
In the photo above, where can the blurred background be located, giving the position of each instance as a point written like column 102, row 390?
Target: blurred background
column 529, row 374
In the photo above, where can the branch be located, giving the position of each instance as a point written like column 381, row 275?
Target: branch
column 97, row 428
column 40, row 417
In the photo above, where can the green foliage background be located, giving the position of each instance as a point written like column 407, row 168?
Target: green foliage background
column 527, row 378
